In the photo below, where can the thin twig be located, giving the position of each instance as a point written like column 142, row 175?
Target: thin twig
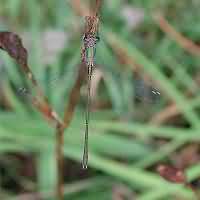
column 167, row 113
column 68, row 115
column 83, row 10
column 97, row 7
column 79, row 8
column 12, row 44
column 184, row 42
column 74, row 95
column 44, row 107
column 60, row 161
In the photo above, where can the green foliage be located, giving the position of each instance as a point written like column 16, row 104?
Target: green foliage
column 124, row 144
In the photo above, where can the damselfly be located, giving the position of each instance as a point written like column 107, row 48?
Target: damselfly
column 90, row 40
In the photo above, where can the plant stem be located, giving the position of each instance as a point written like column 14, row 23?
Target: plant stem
column 69, row 111
column 60, row 161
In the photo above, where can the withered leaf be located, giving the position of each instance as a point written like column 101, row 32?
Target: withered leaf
column 12, row 44
column 172, row 174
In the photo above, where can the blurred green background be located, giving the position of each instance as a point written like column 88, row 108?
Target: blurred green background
column 145, row 101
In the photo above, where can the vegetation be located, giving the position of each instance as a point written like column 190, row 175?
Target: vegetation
column 145, row 100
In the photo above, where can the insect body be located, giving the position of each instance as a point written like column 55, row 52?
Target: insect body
column 90, row 40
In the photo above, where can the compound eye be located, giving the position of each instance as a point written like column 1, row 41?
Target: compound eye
column 84, row 37
column 97, row 38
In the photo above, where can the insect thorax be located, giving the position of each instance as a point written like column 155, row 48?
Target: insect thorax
column 90, row 40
